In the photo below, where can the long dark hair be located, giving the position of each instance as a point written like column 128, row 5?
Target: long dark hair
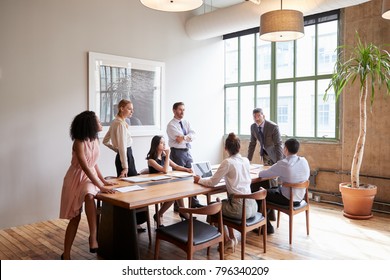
column 84, row 126
column 152, row 154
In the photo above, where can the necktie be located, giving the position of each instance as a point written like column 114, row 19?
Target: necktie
column 184, row 133
column 182, row 128
column 261, row 141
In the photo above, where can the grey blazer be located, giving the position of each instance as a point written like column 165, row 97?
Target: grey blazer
column 272, row 141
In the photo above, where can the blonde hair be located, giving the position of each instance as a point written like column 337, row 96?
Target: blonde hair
column 122, row 104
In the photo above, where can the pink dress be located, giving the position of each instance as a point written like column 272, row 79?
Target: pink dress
column 76, row 183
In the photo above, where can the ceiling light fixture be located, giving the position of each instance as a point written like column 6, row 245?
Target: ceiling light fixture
column 172, row 5
column 281, row 25
column 386, row 9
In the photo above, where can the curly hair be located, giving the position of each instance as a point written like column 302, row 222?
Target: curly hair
column 232, row 144
column 84, row 126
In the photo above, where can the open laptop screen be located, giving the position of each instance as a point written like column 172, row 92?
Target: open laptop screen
column 202, row 169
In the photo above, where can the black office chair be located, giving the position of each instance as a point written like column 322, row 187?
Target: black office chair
column 192, row 235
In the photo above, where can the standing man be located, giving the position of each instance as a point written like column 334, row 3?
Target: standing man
column 180, row 136
column 271, row 151
column 268, row 135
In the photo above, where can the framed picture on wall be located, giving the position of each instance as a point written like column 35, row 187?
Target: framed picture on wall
column 113, row 78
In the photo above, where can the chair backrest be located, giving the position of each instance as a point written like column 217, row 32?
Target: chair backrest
column 301, row 185
column 258, row 195
column 211, row 209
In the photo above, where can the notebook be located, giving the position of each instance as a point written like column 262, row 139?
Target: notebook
column 202, row 169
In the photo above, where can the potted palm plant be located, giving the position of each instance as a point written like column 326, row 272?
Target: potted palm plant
column 370, row 66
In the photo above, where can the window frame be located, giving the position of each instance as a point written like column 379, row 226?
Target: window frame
column 273, row 82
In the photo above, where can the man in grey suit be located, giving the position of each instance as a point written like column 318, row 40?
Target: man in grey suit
column 267, row 134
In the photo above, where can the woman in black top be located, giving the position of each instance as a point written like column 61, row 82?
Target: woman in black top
column 159, row 162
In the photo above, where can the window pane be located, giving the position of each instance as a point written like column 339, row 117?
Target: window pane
column 263, row 60
column 326, row 111
column 247, row 97
column 306, row 53
column 285, row 109
column 284, row 59
column 305, row 109
column 231, row 114
column 231, row 61
column 263, row 99
column 247, row 58
column 327, row 44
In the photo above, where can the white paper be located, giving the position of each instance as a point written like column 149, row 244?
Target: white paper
column 136, row 179
column 129, row 188
column 157, row 178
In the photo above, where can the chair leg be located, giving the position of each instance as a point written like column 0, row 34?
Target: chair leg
column 221, row 250
column 243, row 243
column 307, row 222
column 148, row 226
column 290, row 228
column 278, row 222
column 265, row 238
column 156, row 248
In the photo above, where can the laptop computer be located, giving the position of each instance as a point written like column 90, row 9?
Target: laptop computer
column 202, row 169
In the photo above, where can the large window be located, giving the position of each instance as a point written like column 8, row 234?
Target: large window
column 286, row 79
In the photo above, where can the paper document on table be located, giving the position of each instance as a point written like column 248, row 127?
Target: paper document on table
column 136, row 179
column 162, row 177
column 129, row 189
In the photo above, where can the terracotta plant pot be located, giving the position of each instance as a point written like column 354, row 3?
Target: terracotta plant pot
column 357, row 201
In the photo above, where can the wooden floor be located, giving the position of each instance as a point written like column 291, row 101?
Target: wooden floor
column 332, row 237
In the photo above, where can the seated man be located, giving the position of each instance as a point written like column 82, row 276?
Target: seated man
column 291, row 169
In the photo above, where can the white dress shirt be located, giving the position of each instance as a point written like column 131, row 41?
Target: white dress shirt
column 292, row 169
column 174, row 129
column 236, row 171
column 118, row 139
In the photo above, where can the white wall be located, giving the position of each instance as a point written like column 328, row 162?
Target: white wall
column 43, row 85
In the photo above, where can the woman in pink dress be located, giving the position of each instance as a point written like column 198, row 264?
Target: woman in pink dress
column 83, row 180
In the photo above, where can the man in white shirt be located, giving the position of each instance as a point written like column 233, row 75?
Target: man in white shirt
column 180, row 135
column 291, row 169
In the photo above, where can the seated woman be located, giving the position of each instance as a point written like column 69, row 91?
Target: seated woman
column 236, row 171
column 159, row 161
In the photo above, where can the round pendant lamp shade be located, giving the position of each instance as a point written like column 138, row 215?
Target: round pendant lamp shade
column 386, row 9
column 172, row 5
column 281, row 25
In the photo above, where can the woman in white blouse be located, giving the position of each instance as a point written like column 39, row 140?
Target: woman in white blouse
column 236, row 171
column 118, row 139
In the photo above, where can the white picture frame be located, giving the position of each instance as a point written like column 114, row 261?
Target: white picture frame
column 112, row 78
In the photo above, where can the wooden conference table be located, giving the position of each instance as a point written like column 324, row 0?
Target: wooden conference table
column 118, row 237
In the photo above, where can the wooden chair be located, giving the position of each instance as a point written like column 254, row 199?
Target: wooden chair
column 292, row 209
column 244, row 225
column 143, row 209
column 192, row 235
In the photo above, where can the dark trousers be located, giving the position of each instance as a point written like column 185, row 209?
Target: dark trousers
column 130, row 162
column 183, row 157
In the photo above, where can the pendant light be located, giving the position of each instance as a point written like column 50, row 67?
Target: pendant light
column 281, row 25
column 172, row 5
column 386, row 9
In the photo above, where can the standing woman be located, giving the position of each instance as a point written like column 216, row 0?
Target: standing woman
column 83, row 180
column 118, row 139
